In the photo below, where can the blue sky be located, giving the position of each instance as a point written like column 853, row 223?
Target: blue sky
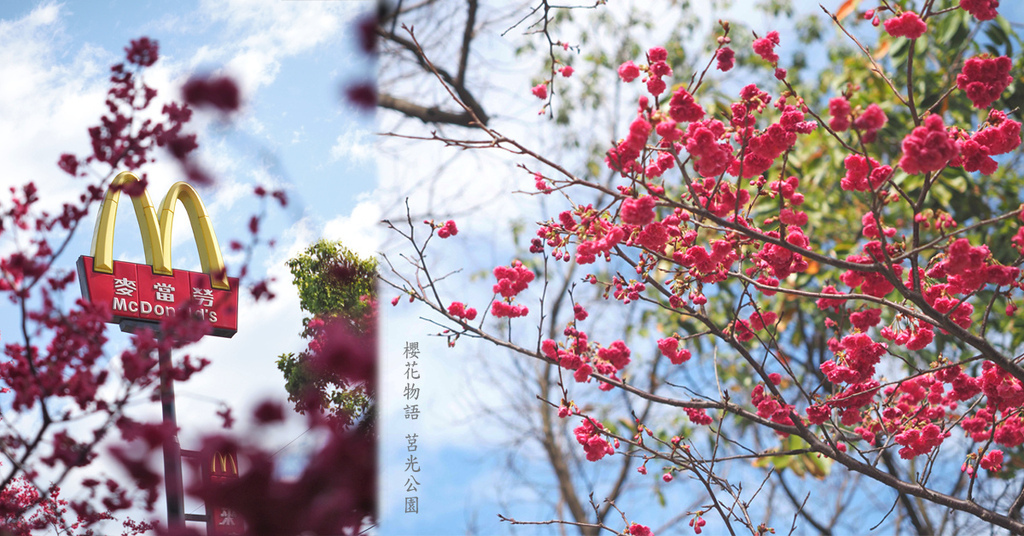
column 462, row 452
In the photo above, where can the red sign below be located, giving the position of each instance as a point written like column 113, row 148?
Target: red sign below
column 134, row 292
column 219, row 468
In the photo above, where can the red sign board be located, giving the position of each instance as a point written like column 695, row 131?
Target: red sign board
column 134, row 292
column 220, row 467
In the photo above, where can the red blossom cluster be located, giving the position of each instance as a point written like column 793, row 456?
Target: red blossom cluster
column 595, row 445
column 698, row 523
column 839, row 110
column 459, row 310
column 726, row 59
column 769, row 407
column 702, row 200
column 765, row 47
column 981, row 9
column 984, row 78
column 870, row 121
column 636, row 529
column 1000, row 136
column 908, row 25
column 657, row 69
column 928, row 147
column 992, row 461
column 669, row 347
column 863, row 174
column 448, row 229
column 218, row 92
column 629, row 71
column 582, row 357
column 704, row 141
column 639, row 211
column 511, row 281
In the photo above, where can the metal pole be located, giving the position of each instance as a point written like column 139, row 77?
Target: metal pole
column 172, row 449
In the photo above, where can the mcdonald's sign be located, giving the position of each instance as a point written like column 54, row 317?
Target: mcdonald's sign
column 152, row 291
column 219, row 467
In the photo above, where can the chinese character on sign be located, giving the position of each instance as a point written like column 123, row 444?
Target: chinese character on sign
column 412, row 505
column 412, row 464
column 410, row 371
column 412, row 442
column 411, row 392
column 227, row 518
column 203, row 296
column 164, row 292
column 412, row 350
column 411, row 483
column 124, row 287
column 412, row 412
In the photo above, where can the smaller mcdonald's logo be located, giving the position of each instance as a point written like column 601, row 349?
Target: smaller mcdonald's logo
column 224, row 464
column 153, row 291
column 220, row 467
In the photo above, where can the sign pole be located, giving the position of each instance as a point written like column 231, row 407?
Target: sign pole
column 144, row 295
column 172, row 449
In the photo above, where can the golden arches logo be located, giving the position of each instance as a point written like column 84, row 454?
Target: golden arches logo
column 156, row 229
column 226, row 461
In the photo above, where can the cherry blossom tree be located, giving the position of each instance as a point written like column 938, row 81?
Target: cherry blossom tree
column 64, row 406
column 827, row 272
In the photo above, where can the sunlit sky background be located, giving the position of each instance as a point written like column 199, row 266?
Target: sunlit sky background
column 294, row 131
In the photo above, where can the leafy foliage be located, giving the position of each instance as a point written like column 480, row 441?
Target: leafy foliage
column 337, row 288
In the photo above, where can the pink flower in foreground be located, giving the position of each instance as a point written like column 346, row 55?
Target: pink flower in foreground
column 984, row 79
column 980, row 9
column 566, row 71
column 594, row 445
column 218, row 92
column 639, row 530
column 448, row 229
column 839, row 109
column 683, row 108
column 629, row 71
column 928, row 147
column 143, row 52
column 993, row 461
column 656, row 54
column 459, row 309
column 765, row 47
column 726, row 59
column 656, row 86
column 907, row 25
column 870, row 121
column 638, row 211
column 540, row 91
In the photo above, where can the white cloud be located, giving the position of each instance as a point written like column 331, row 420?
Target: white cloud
column 45, row 104
column 356, row 145
column 258, row 35
column 360, row 231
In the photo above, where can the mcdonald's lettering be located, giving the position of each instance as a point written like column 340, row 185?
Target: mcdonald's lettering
column 153, row 291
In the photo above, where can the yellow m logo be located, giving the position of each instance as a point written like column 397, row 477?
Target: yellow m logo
column 156, row 230
column 226, row 462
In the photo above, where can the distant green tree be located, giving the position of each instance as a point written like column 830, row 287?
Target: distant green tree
column 336, row 287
